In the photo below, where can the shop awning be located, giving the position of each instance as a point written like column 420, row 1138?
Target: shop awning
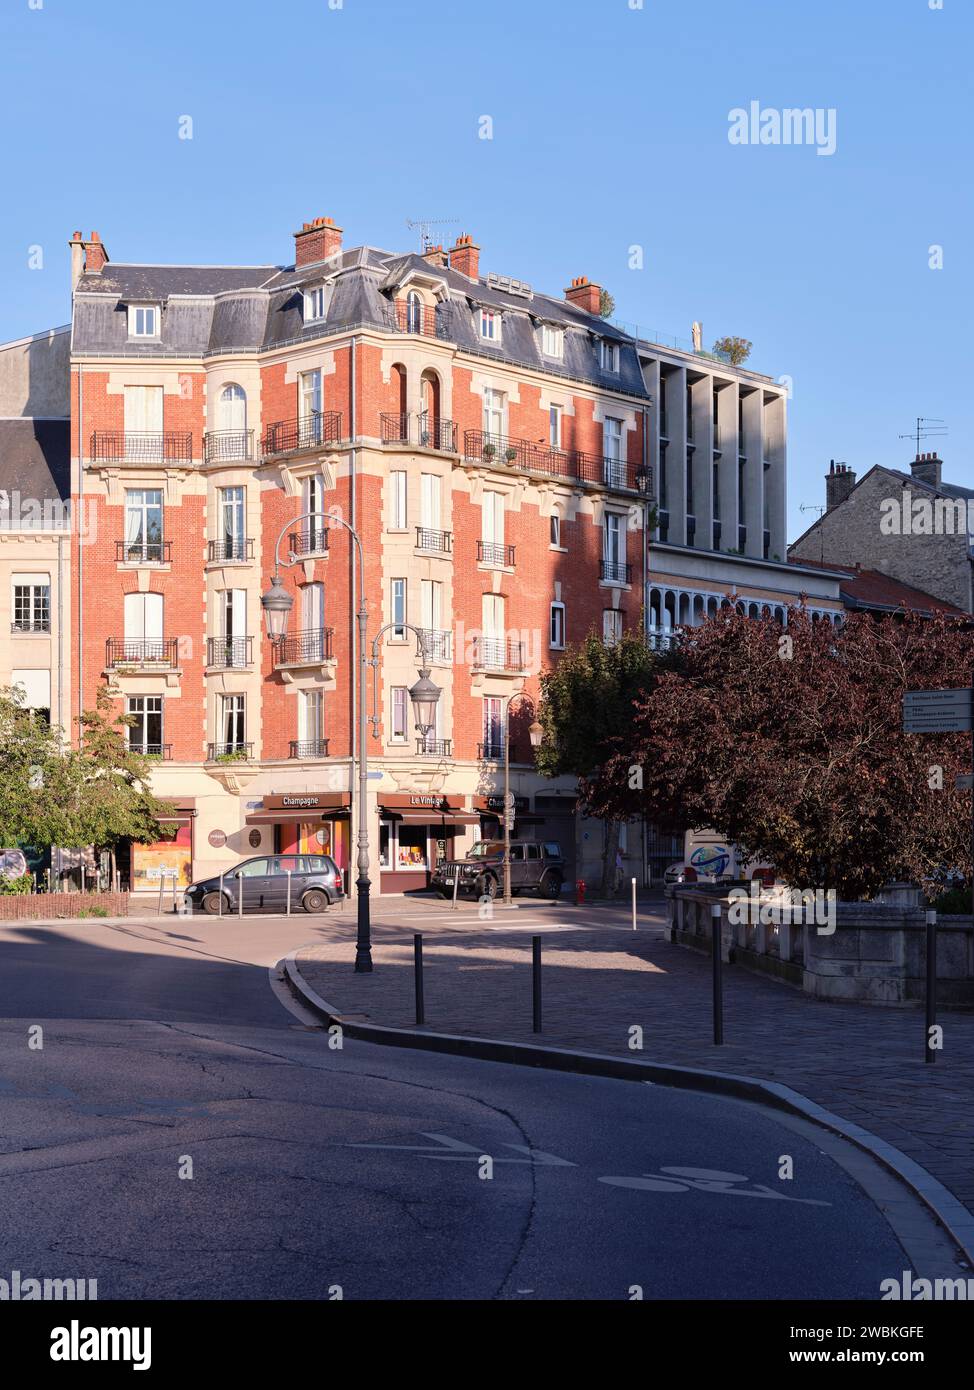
column 303, row 815
column 429, row 817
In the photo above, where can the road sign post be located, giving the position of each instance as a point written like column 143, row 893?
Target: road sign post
column 944, row 712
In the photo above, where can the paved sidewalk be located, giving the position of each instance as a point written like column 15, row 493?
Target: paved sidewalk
column 865, row 1064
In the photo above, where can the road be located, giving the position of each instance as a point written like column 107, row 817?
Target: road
column 182, row 1134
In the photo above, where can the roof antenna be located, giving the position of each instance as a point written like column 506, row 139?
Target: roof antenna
column 927, row 427
column 810, row 507
column 424, row 224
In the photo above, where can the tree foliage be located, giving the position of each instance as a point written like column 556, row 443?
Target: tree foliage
column 738, row 350
column 790, row 744
column 607, row 305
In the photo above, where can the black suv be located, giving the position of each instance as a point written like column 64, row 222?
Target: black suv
column 316, row 883
column 538, row 868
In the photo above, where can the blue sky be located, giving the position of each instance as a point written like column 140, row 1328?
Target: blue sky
column 610, row 130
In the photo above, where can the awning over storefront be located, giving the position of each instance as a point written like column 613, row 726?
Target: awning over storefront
column 183, row 812
column 298, row 808
column 425, row 808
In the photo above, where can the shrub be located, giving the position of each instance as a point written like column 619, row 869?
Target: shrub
column 23, row 884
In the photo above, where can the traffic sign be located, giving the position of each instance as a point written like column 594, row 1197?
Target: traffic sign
column 938, row 711
column 965, row 782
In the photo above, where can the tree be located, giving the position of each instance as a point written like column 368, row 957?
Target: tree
column 789, row 743
column 737, row 349
column 607, row 305
column 34, row 785
column 587, row 704
column 111, row 798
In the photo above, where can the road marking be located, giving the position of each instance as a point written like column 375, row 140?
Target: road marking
column 706, row 1180
column 456, row 1151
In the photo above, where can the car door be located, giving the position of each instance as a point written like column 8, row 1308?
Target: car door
column 277, row 884
column 532, row 865
column 253, row 880
column 517, row 866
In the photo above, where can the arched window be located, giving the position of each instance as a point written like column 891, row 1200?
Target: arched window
column 233, row 407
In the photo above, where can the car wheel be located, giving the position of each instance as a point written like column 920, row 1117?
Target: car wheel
column 211, row 904
column 487, row 886
column 550, row 886
column 315, row 900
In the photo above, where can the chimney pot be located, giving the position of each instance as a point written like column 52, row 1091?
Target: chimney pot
column 317, row 240
column 839, row 482
column 465, row 257
column 96, row 257
column 928, row 468
column 584, row 295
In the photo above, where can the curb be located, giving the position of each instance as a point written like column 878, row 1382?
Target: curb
column 952, row 1215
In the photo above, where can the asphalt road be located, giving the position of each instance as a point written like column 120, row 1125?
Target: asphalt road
column 377, row 1172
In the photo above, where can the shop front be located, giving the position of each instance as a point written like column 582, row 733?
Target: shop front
column 490, row 810
column 416, row 831
column 168, row 860
column 308, row 823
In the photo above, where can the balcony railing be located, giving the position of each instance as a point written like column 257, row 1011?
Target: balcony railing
column 30, row 625
column 415, row 318
column 229, row 752
column 428, row 539
column 615, row 572
column 128, row 446
column 439, row 645
column 307, row 648
column 422, row 431
column 494, row 553
column 575, row 464
column 498, row 654
column 152, row 750
column 228, row 653
column 434, row 747
column 311, row 539
column 143, row 552
column 312, row 431
column 231, row 550
column 228, row 446
column 490, row 751
column 308, row 748
column 157, row 653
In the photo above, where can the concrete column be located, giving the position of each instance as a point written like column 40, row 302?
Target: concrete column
column 752, row 448
column 676, row 385
column 702, row 416
column 775, row 474
column 726, row 435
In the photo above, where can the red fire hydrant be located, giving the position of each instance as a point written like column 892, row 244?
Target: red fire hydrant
column 579, row 891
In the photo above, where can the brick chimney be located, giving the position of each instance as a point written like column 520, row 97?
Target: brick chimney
column 77, row 259
column 927, row 468
column 465, row 257
column 584, row 295
column 839, row 482
column 436, row 256
column 316, row 241
column 96, row 257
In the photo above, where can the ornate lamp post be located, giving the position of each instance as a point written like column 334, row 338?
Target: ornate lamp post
column 536, row 734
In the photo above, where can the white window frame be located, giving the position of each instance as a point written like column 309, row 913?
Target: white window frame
column 142, row 717
column 611, row 626
column 398, row 588
column 144, row 320
column 554, row 532
column 608, row 355
column 556, row 626
column 37, row 602
column 398, row 500
column 489, row 319
column 309, row 394
column 552, row 341
column 556, row 424
column 315, row 306
column 311, row 716
column 399, row 714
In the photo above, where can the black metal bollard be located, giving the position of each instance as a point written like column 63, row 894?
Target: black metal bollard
column 718, row 965
column 536, row 974
column 930, row 1053
column 418, row 973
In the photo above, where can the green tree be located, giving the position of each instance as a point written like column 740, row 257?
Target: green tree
column 607, row 305
column 737, row 349
column 34, row 781
column 587, row 709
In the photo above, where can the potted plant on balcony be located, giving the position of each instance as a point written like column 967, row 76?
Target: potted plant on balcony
column 510, row 454
column 234, row 755
column 489, row 451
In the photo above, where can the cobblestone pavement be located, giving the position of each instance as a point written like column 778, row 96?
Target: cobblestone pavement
column 601, row 978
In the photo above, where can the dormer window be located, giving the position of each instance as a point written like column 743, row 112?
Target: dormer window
column 552, row 341
column 314, row 304
column 490, row 326
column 608, row 355
column 143, row 320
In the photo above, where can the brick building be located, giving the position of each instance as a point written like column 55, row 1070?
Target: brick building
column 913, row 527
column 496, row 450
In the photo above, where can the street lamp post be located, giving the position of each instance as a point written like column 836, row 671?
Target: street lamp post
column 277, row 604
column 536, row 733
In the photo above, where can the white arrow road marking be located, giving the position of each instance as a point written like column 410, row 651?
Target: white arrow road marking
column 706, row 1180
column 460, row 1152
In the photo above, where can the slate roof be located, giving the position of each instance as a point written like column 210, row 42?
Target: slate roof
column 211, row 309
column 865, row 588
column 904, row 479
column 35, row 459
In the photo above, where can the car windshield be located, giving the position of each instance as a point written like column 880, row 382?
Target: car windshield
column 486, row 849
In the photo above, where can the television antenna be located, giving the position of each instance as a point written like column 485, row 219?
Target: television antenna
column 811, row 507
column 424, row 224
column 927, row 427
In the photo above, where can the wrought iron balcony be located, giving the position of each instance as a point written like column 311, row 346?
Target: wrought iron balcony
column 30, row 625
column 149, row 653
column 309, row 647
column 615, row 572
column 415, row 318
column 231, row 550
column 228, row 653
column 421, row 431
column 308, row 748
column 438, row 541
column 493, row 553
column 140, row 446
column 311, row 539
column 497, row 654
column 434, row 747
column 229, row 752
column 439, row 645
column 228, row 446
column 314, row 431
column 151, row 750
column 490, row 751
column 576, row 465
column 143, row 552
